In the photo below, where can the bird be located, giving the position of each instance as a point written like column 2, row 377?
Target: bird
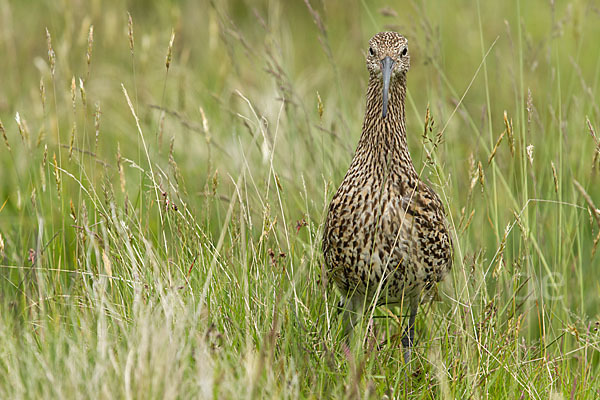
column 386, row 239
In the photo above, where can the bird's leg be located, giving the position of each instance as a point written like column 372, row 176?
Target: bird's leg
column 352, row 307
column 409, row 335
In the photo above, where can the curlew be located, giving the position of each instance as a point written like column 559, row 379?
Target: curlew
column 386, row 239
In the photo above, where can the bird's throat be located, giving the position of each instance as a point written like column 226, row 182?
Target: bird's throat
column 387, row 131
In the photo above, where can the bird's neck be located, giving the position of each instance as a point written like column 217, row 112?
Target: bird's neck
column 384, row 138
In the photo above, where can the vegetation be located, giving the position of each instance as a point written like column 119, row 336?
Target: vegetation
column 164, row 176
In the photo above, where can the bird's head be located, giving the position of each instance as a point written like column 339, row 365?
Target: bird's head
column 387, row 58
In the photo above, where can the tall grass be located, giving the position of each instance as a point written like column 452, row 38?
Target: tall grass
column 164, row 176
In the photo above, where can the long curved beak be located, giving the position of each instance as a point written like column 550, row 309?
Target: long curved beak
column 387, row 64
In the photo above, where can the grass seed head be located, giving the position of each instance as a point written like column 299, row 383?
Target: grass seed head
column 171, row 146
column 519, row 222
column 23, row 129
column 43, row 94
column 595, row 245
column 426, row 124
column 73, row 92
column 41, row 136
column 172, row 162
column 130, row 32
column 473, row 173
column 597, row 140
column 3, row 132
column 51, row 54
column 572, row 329
column 171, row 149
column 43, row 177
column 205, row 126
column 530, row 154
column 170, row 50
column 84, row 215
column 554, row 175
column 82, row 92
column 509, row 132
column 56, row 174
column 590, row 203
column 592, row 131
column 97, row 113
column 469, row 220
column 72, row 140
column 72, row 209
column 88, row 54
column 493, row 153
column 319, row 106
column 107, row 263
column 120, row 168
column 215, row 182
column 480, row 175
column 500, row 257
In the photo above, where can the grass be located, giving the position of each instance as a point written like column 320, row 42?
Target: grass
column 162, row 199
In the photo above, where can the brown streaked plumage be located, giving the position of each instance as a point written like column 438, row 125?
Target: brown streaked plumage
column 386, row 239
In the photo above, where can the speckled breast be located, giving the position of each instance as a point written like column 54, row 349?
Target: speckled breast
column 381, row 240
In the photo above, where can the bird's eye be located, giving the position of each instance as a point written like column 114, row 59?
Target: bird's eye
column 371, row 52
column 404, row 52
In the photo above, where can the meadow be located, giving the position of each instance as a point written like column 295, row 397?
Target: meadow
column 165, row 169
